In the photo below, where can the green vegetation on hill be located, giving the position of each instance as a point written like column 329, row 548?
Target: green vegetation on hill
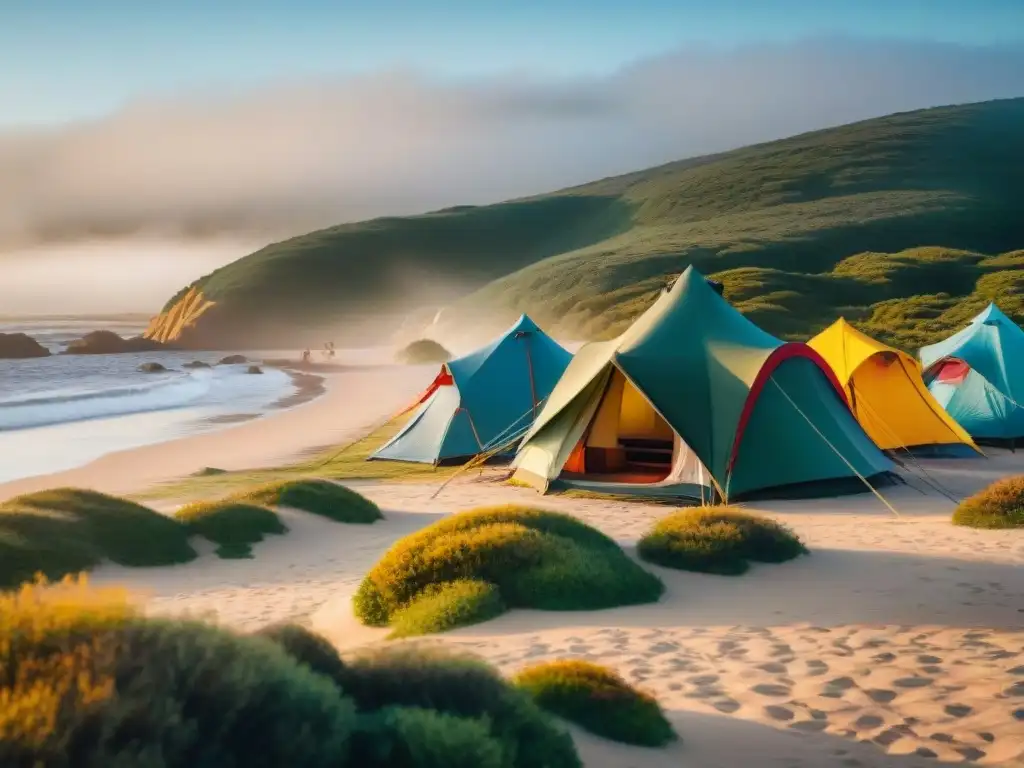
column 431, row 580
column 597, row 699
column 86, row 680
column 1001, row 505
column 718, row 540
column 906, row 224
column 67, row 530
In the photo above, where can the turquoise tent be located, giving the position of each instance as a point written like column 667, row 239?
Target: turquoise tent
column 481, row 401
column 977, row 375
column 693, row 401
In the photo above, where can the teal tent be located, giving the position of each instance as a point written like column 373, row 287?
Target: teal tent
column 695, row 401
column 481, row 401
column 977, row 375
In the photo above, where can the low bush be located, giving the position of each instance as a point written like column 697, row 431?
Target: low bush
column 86, row 681
column 234, row 526
column 718, row 540
column 395, row 737
column 319, row 497
column 598, row 700
column 309, row 649
column 422, row 352
column 534, row 558
column 432, row 678
column 1000, row 505
column 441, row 607
column 67, row 530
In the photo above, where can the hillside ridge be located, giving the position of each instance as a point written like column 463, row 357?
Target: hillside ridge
column 895, row 221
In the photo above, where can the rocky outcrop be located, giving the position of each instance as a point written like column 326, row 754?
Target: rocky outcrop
column 110, row 343
column 177, row 323
column 254, row 369
column 151, row 368
column 20, row 346
column 196, row 364
column 423, row 351
column 233, row 360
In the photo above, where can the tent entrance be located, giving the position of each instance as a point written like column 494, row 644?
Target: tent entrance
column 628, row 442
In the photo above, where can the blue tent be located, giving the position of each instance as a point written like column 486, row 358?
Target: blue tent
column 977, row 375
column 483, row 400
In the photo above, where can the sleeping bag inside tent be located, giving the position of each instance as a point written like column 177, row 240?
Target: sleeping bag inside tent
column 887, row 394
column 482, row 400
column 977, row 375
column 695, row 401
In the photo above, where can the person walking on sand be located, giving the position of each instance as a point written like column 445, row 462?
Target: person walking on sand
column 305, row 356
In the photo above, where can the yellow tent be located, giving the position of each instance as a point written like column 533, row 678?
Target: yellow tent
column 886, row 391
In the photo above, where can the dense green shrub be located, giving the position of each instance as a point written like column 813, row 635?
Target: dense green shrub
column 535, row 559
column 597, row 699
column 423, row 351
column 67, row 530
column 411, row 737
column 307, row 648
column 86, row 681
column 235, row 526
column 1000, row 505
column 440, row 607
column 718, row 540
column 432, row 678
column 319, row 497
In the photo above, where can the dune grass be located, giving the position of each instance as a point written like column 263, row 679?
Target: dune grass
column 67, row 530
column 440, row 607
column 1000, row 505
column 597, row 699
column 718, row 540
column 346, row 462
column 86, row 679
column 534, row 558
column 233, row 525
column 435, row 678
column 318, row 497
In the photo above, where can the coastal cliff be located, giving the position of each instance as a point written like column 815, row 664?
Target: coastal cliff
column 177, row 324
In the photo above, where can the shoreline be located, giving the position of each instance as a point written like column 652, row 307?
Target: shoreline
column 351, row 401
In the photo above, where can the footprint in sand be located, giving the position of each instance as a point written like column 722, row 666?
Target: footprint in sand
column 1017, row 670
column 880, row 695
column 726, row 706
column 942, row 738
column 867, row 722
column 971, row 753
column 772, row 667
column 913, row 682
column 958, row 710
column 809, row 726
column 816, row 667
column 883, row 658
column 776, row 712
column 769, row 689
column 703, row 679
column 1017, row 689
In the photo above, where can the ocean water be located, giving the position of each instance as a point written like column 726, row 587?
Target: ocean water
column 63, row 411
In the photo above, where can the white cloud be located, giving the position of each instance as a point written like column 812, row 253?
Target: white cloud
column 289, row 158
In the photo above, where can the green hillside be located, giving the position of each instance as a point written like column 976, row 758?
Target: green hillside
column 907, row 223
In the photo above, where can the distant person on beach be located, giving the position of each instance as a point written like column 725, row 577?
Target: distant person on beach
column 306, row 354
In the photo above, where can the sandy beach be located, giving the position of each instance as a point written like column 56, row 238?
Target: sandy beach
column 899, row 641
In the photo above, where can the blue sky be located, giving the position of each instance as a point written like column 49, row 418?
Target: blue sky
column 63, row 60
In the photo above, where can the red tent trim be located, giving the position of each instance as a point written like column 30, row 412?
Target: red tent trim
column 443, row 379
column 780, row 355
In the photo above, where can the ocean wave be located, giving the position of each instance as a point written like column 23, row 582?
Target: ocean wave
column 168, row 391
